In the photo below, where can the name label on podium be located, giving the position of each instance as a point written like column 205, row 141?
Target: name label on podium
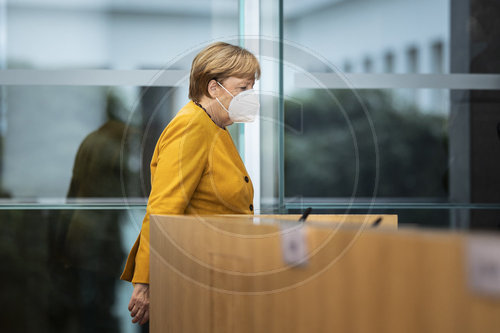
column 294, row 245
column 483, row 265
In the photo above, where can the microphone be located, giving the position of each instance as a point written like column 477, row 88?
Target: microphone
column 305, row 215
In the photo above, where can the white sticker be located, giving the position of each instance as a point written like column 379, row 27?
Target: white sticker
column 483, row 265
column 294, row 246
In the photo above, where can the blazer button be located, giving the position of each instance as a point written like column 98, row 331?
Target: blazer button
column 246, row 179
column 251, row 207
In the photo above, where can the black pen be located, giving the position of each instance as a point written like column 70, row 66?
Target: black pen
column 305, row 215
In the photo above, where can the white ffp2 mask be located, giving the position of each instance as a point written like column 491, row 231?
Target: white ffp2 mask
column 244, row 107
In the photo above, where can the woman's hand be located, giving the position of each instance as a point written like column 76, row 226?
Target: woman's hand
column 139, row 303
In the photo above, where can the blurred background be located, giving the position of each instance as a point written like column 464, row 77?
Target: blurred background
column 368, row 106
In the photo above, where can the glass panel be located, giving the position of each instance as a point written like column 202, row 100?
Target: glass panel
column 341, row 143
column 82, row 142
column 362, row 33
column 357, row 141
column 61, row 270
column 74, row 160
column 116, row 34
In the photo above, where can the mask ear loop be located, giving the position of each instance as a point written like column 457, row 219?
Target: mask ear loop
column 224, row 88
column 218, row 98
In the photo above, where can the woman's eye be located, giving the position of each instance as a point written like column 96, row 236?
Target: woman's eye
column 243, row 88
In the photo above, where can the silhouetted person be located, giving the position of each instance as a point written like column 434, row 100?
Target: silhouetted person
column 87, row 247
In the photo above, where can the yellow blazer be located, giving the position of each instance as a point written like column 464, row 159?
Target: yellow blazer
column 195, row 169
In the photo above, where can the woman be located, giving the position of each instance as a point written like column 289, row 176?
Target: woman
column 196, row 168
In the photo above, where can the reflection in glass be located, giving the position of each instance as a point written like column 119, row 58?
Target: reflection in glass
column 321, row 160
column 118, row 34
column 87, row 253
column 335, row 156
column 389, row 62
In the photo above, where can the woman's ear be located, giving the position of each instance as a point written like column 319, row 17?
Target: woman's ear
column 212, row 88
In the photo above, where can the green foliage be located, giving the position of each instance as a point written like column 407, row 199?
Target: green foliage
column 329, row 140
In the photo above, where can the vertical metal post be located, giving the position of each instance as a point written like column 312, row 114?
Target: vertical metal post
column 3, row 89
column 459, row 122
column 241, row 34
column 281, row 116
column 250, row 133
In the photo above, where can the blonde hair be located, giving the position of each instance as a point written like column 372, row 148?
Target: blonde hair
column 219, row 61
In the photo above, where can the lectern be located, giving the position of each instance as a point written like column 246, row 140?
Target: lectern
column 333, row 273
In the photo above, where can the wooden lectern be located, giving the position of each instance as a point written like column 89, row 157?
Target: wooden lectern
column 234, row 274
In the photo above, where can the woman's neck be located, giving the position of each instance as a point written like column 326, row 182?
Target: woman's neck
column 212, row 107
